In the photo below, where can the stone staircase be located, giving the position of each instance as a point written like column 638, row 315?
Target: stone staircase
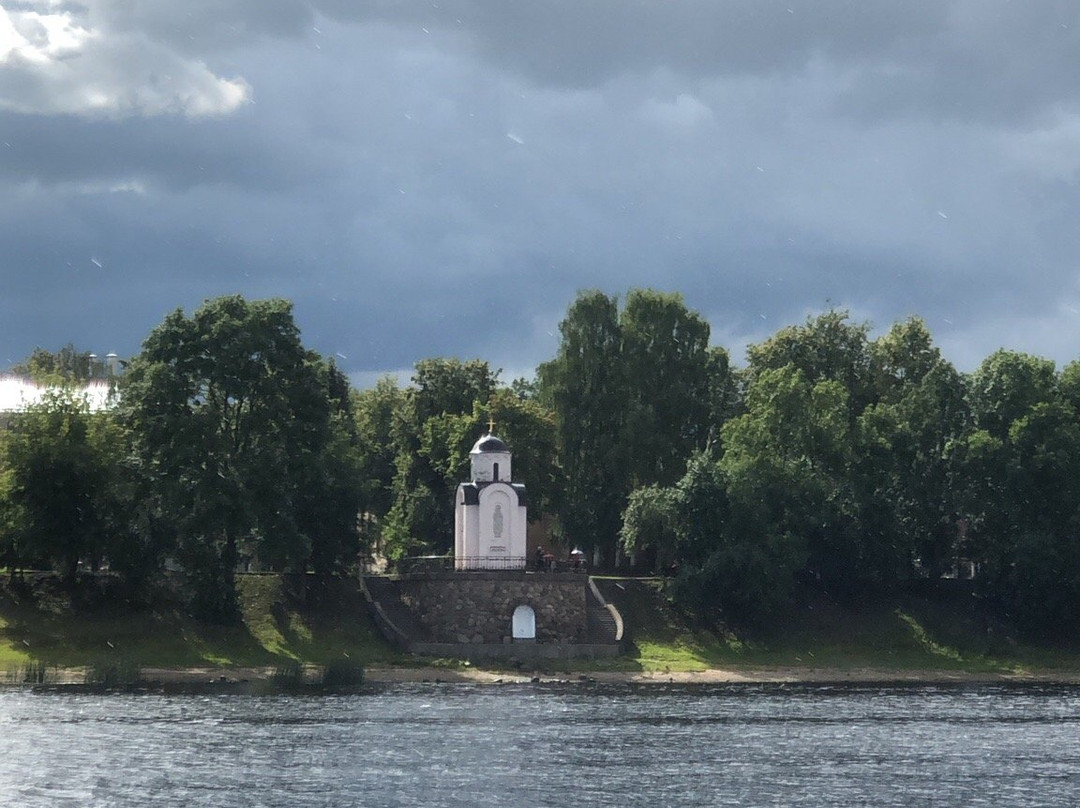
column 604, row 621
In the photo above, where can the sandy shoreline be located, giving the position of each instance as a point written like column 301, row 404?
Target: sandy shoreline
column 789, row 675
column 725, row 676
column 715, row 676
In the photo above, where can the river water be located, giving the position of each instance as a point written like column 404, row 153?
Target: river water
column 547, row 745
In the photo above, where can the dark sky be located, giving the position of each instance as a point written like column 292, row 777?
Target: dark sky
column 441, row 178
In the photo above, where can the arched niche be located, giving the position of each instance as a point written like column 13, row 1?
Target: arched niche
column 524, row 623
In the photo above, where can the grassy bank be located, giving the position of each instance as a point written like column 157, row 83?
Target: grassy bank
column 40, row 625
column 41, row 629
column 907, row 633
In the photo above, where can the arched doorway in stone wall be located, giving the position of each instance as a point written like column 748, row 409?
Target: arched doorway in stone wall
column 523, row 623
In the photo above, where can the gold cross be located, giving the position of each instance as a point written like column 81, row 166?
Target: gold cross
column 491, row 425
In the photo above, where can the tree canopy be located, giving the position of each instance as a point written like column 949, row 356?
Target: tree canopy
column 833, row 459
column 232, row 421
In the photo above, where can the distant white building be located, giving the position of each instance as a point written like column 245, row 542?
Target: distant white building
column 490, row 512
column 17, row 393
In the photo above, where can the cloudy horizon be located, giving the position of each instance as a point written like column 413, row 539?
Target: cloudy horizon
column 441, row 179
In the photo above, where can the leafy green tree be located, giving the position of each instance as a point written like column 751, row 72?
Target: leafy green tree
column 902, row 471
column 66, row 365
column 229, row 415
column 785, row 461
column 1003, row 391
column 1045, row 584
column 979, row 469
column 667, row 364
column 531, row 432
column 1036, row 566
column 651, row 522
column 140, row 534
column 585, row 385
column 635, row 393
column 828, row 347
column 705, row 521
column 730, row 559
column 725, row 392
column 1069, row 385
column 683, row 523
column 1006, row 386
column 433, row 434
column 377, row 411
column 901, row 358
column 331, row 491
column 451, row 386
column 55, row 485
column 1045, row 476
column 525, row 388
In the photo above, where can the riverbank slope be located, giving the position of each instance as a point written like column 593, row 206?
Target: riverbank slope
column 47, row 633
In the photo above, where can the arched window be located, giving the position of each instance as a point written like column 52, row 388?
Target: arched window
column 524, row 623
column 495, row 473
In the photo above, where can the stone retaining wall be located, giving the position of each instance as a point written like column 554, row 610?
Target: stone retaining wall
column 515, row 652
column 477, row 608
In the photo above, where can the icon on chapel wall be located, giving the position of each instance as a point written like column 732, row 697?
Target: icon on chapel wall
column 497, row 521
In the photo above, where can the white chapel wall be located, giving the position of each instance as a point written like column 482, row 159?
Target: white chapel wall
column 483, row 466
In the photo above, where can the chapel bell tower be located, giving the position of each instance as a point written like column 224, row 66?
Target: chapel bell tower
column 490, row 511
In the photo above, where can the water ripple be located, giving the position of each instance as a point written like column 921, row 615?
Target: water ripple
column 548, row 746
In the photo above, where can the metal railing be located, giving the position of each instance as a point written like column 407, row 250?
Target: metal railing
column 489, row 563
column 449, row 563
column 444, row 563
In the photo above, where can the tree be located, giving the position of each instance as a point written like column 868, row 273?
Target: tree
column 1044, row 591
column 901, row 358
column 730, row 558
column 667, row 367
column 66, row 365
column 1069, row 385
column 786, row 462
column 433, row 434
column 651, row 522
column 55, row 485
column 530, row 430
column 229, row 415
column 1006, row 386
column 1004, row 390
column 634, row 393
column 442, row 386
column 1045, row 468
column 704, row 508
column 331, row 492
column 585, row 386
column 725, row 394
column 828, row 347
column 376, row 411
column 1036, row 569
column 902, row 472
column 683, row 523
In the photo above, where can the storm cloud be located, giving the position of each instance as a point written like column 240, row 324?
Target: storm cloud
column 441, row 179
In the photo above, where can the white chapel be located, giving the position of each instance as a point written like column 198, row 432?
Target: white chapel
column 490, row 520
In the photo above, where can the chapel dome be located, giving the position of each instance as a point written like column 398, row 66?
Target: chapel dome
column 489, row 443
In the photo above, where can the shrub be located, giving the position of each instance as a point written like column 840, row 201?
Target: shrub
column 343, row 673
column 113, row 673
column 35, row 673
column 289, row 675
